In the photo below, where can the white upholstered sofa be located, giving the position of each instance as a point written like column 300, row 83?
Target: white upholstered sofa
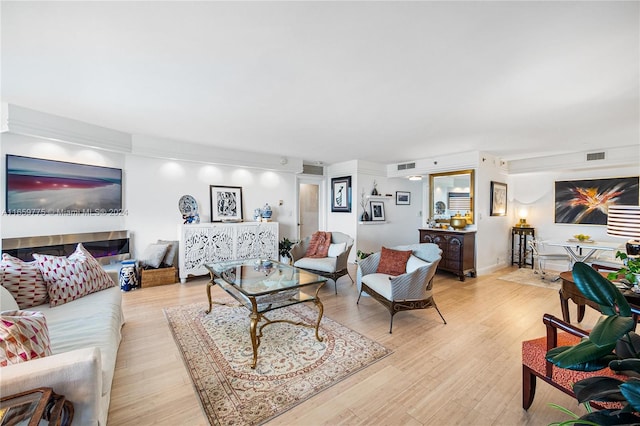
column 85, row 335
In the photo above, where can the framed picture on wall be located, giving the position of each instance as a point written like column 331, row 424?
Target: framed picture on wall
column 226, row 203
column 585, row 201
column 403, row 198
column 377, row 210
column 498, row 199
column 341, row 194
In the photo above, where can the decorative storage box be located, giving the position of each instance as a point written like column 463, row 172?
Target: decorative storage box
column 161, row 276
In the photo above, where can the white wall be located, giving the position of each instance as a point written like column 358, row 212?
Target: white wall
column 535, row 192
column 154, row 187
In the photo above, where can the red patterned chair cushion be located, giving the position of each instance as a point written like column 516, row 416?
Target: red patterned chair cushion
column 69, row 278
column 24, row 281
column 319, row 244
column 23, row 336
column 393, row 262
column 534, row 353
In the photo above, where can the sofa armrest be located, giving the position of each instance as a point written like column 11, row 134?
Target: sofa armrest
column 75, row 374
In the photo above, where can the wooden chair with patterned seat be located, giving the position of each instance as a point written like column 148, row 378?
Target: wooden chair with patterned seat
column 535, row 365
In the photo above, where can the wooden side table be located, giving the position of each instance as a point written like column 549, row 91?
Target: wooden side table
column 33, row 406
column 520, row 235
column 569, row 291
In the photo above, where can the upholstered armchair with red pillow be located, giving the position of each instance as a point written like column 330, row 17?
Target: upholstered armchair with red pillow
column 324, row 253
column 401, row 278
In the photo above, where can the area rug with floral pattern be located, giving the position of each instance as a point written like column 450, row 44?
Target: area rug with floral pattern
column 292, row 364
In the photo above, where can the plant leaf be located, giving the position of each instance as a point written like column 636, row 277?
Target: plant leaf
column 600, row 290
column 609, row 329
column 628, row 367
column 609, row 417
column 585, row 356
column 598, row 388
column 631, row 390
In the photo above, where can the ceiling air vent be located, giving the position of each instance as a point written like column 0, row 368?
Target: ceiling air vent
column 310, row 169
column 593, row 156
column 406, row 166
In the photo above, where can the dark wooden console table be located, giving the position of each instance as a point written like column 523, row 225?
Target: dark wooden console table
column 520, row 235
column 570, row 291
column 458, row 250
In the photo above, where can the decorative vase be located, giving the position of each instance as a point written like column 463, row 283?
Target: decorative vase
column 266, row 211
column 365, row 217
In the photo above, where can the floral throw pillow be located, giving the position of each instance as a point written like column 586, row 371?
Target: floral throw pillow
column 24, row 281
column 70, row 278
column 393, row 262
column 23, row 336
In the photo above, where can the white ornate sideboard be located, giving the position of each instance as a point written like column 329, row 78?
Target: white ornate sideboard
column 213, row 242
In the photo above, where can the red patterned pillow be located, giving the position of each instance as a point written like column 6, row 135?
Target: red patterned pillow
column 24, row 281
column 70, row 278
column 319, row 244
column 23, row 336
column 393, row 262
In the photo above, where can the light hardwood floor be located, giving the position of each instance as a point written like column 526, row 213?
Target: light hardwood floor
column 465, row 372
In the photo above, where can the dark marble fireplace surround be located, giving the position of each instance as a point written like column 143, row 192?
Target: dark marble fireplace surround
column 107, row 247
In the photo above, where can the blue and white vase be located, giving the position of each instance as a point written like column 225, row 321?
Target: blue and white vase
column 266, row 211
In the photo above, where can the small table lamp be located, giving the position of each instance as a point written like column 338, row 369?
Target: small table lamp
column 624, row 221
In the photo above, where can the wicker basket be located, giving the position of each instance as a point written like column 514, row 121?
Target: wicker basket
column 161, row 276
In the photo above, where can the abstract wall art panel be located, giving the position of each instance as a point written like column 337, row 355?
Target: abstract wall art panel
column 587, row 201
column 39, row 186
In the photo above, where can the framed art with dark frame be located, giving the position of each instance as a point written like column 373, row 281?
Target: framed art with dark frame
column 498, row 199
column 377, row 210
column 226, row 203
column 586, row 201
column 341, row 194
column 403, row 198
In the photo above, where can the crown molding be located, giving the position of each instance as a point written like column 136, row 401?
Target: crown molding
column 24, row 121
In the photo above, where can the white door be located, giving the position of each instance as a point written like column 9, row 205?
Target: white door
column 310, row 206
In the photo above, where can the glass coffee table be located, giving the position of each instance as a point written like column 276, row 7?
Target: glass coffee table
column 265, row 285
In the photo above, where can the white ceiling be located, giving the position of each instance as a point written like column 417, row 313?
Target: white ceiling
column 333, row 81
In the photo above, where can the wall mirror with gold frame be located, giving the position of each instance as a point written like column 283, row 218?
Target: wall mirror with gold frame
column 451, row 193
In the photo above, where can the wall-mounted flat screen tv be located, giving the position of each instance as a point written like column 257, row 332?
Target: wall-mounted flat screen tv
column 38, row 186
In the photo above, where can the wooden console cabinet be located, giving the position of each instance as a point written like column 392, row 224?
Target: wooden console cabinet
column 458, row 250
column 215, row 242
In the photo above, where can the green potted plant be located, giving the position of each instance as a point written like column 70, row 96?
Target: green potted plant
column 611, row 343
column 284, row 247
column 630, row 270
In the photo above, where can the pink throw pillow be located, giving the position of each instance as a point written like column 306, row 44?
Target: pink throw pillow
column 70, row 278
column 24, row 281
column 23, row 336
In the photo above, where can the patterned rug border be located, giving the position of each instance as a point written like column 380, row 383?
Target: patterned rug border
column 322, row 388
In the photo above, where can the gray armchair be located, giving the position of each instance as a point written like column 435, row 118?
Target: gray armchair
column 411, row 290
column 332, row 267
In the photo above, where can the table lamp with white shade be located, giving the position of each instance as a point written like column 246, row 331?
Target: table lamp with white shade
column 624, row 221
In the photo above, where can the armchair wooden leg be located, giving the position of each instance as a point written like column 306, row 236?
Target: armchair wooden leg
column 391, row 324
column 439, row 313
column 359, row 295
column 528, row 387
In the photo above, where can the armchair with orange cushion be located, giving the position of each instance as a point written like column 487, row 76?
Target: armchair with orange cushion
column 534, row 363
column 401, row 278
column 325, row 254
